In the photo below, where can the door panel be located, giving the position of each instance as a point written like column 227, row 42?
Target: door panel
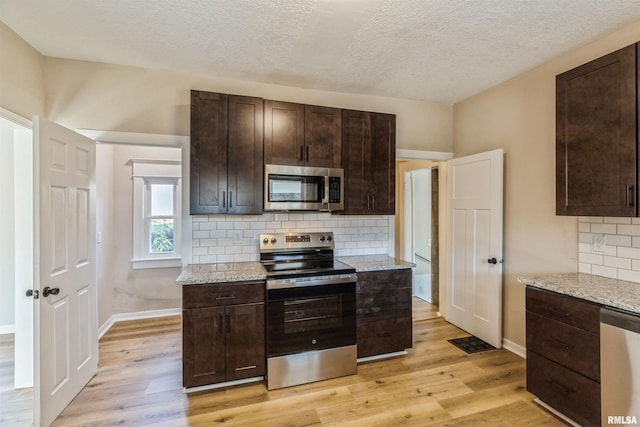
column 474, row 283
column 283, row 133
column 66, row 335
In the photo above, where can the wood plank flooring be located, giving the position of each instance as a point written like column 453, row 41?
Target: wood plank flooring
column 16, row 406
column 436, row 384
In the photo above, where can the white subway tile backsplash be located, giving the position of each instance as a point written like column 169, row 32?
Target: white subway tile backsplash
column 631, row 230
column 611, row 261
column 604, row 228
column 593, row 259
column 629, row 252
column 236, row 238
column 591, row 219
column 600, row 270
column 617, row 240
column 631, row 276
column 616, row 220
column 620, row 256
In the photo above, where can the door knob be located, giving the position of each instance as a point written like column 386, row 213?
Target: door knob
column 50, row 291
column 492, row 261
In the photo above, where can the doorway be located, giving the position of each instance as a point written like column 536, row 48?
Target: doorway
column 16, row 270
column 417, row 230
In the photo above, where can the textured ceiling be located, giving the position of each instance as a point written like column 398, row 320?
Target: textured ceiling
column 439, row 50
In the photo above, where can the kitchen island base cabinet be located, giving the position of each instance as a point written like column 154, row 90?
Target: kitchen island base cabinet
column 223, row 333
column 563, row 354
column 383, row 312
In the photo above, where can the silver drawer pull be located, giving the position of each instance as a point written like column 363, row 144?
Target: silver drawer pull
column 229, row 297
column 245, row 368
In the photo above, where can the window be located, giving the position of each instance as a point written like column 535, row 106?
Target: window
column 156, row 208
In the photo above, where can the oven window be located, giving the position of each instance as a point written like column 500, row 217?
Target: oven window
column 312, row 314
column 310, row 318
column 288, row 188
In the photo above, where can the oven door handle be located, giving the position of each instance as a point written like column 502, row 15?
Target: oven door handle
column 287, row 284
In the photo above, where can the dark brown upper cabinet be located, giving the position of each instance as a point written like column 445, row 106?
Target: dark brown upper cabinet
column 368, row 159
column 227, row 149
column 302, row 135
column 596, row 137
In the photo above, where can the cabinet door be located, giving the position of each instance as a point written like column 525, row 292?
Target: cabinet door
column 356, row 161
column 246, row 156
column 383, row 311
column 322, row 136
column 284, row 133
column 203, row 346
column 245, row 341
column 208, row 171
column 570, row 393
column 383, row 164
column 596, row 137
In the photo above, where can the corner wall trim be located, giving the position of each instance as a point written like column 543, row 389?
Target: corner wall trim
column 139, row 315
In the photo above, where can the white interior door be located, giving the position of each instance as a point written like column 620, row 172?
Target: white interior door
column 474, row 254
column 66, row 333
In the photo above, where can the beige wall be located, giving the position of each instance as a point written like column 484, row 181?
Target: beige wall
column 136, row 290
column 21, row 75
column 117, row 98
column 519, row 116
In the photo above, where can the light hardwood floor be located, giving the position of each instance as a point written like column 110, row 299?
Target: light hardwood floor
column 139, row 383
column 16, row 406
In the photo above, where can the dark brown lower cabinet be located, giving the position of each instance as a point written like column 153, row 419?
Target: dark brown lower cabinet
column 563, row 354
column 223, row 331
column 383, row 311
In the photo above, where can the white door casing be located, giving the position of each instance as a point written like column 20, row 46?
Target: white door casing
column 475, row 227
column 66, row 332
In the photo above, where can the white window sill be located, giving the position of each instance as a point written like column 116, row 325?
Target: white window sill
column 145, row 263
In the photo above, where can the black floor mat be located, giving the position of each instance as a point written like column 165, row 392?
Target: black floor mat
column 471, row 344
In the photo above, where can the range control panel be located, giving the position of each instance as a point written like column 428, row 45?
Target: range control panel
column 285, row 241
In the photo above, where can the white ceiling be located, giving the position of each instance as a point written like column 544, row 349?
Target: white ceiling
column 439, row 50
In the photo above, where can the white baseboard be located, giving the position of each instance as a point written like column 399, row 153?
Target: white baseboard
column 122, row 317
column 514, row 348
column 7, row 329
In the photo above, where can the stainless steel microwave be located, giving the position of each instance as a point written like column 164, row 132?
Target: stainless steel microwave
column 301, row 188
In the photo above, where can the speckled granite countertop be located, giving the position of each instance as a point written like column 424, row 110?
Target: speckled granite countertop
column 197, row 274
column 375, row 262
column 609, row 292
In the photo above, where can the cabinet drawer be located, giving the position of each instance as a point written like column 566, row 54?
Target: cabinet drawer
column 384, row 336
column 383, row 294
column 212, row 295
column 565, row 309
column 572, row 394
column 567, row 345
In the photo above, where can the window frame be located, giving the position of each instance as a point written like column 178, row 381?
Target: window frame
column 145, row 174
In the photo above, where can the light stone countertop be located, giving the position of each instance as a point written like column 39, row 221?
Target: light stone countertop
column 375, row 262
column 603, row 290
column 198, row 274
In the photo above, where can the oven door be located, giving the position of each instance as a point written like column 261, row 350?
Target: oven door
column 310, row 318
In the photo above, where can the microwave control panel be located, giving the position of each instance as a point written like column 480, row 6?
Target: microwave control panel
column 334, row 189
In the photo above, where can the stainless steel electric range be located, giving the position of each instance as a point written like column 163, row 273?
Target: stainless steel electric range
column 311, row 309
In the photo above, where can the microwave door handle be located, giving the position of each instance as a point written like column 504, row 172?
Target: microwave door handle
column 325, row 192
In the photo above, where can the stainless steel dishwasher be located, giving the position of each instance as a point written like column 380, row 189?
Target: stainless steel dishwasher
column 619, row 367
